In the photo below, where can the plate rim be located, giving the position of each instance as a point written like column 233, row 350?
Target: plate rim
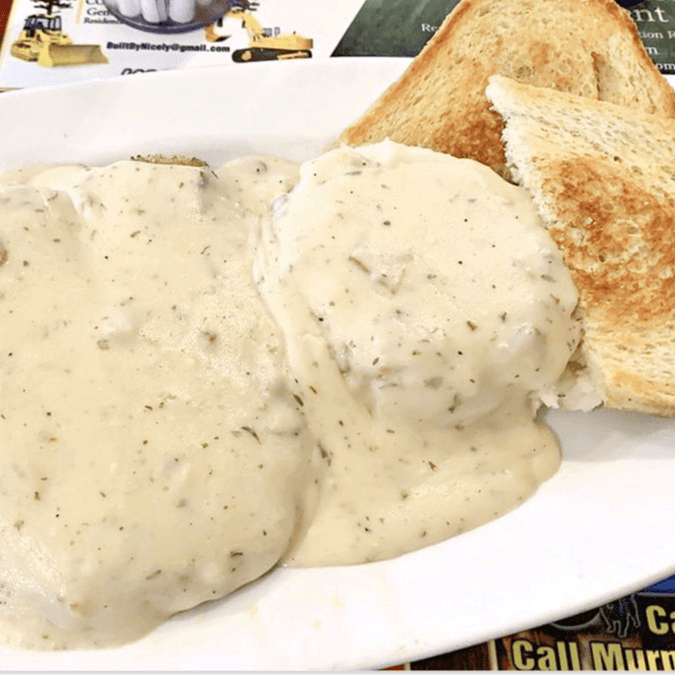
column 416, row 646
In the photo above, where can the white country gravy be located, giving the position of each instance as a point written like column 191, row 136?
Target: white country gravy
column 196, row 387
column 152, row 457
column 425, row 312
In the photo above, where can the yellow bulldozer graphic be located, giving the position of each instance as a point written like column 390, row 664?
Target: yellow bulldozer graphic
column 42, row 40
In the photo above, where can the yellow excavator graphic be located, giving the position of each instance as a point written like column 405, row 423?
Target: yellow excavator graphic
column 262, row 46
column 42, row 40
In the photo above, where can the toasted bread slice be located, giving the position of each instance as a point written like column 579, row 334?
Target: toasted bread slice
column 586, row 47
column 603, row 179
column 181, row 160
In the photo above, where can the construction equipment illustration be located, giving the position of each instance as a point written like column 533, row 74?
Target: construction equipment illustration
column 43, row 40
column 262, row 45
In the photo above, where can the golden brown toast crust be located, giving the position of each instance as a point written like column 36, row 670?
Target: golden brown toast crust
column 182, row 160
column 603, row 179
column 587, row 47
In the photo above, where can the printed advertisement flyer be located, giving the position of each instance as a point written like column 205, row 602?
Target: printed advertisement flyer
column 632, row 633
column 57, row 41
column 636, row 633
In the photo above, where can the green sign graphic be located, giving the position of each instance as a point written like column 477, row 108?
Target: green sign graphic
column 656, row 24
column 403, row 27
column 393, row 27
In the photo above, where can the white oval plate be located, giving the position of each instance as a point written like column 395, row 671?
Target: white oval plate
column 603, row 527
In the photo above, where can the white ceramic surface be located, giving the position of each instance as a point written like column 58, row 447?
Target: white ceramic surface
column 604, row 526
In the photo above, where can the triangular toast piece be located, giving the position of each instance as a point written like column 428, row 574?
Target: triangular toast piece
column 586, row 47
column 603, row 179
